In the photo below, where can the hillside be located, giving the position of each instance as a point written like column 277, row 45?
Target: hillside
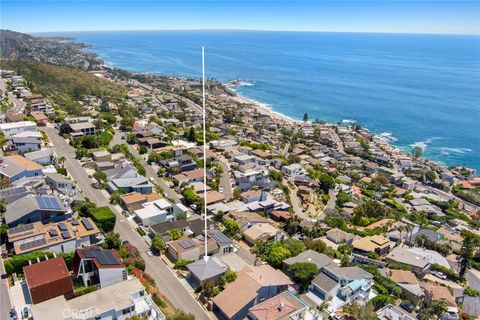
column 56, row 51
column 64, row 86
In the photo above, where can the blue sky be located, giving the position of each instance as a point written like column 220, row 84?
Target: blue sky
column 427, row 16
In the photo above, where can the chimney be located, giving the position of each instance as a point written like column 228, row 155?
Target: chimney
column 281, row 306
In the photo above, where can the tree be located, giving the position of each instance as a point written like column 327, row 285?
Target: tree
column 316, row 245
column 101, row 177
column 326, row 182
column 294, row 246
column 189, row 195
column 305, row 117
column 116, row 196
column 355, row 311
column 142, row 150
column 158, row 244
column 112, row 240
column 229, row 276
column 231, row 228
column 191, row 135
column 277, row 255
column 61, row 160
column 468, row 250
column 208, row 288
column 431, row 176
column 416, row 152
column 303, row 273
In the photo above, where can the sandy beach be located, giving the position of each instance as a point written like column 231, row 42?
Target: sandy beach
column 260, row 107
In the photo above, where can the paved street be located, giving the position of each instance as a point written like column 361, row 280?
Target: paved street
column 225, row 181
column 5, row 303
column 166, row 281
column 152, row 173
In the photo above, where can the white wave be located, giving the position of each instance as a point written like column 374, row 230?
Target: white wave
column 348, row 121
column 421, row 144
column 448, row 151
column 388, row 136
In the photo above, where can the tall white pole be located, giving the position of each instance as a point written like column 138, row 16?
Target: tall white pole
column 204, row 156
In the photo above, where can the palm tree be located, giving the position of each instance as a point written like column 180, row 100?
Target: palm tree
column 62, row 161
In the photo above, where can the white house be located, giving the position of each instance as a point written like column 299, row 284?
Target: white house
column 11, row 128
column 295, row 169
column 159, row 211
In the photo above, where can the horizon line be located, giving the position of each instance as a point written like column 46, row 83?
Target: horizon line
column 246, row 30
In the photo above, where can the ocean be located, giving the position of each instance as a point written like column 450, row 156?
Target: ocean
column 416, row 90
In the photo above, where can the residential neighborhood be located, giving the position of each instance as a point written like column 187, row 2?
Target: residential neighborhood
column 122, row 211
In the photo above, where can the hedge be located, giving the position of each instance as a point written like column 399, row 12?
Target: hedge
column 104, row 218
column 16, row 263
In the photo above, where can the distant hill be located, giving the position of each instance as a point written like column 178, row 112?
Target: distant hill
column 51, row 50
column 65, row 86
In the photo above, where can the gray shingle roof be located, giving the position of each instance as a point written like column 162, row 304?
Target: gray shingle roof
column 207, row 269
column 312, row 256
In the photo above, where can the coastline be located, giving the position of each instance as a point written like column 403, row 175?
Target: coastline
column 262, row 108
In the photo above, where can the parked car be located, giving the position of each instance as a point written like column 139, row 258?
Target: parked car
column 440, row 275
column 407, row 306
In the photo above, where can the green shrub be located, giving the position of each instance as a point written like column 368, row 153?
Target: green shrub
column 181, row 264
column 16, row 263
column 104, row 218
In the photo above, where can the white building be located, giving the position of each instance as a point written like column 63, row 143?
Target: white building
column 12, row 128
column 159, row 211
column 120, row 301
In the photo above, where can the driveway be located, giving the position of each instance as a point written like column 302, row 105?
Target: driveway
column 166, row 281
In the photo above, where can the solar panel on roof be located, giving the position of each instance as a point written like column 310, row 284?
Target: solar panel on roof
column 66, row 235
column 62, row 226
column 48, row 203
column 87, row 224
column 19, row 229
column 75, row 222
column 186, row 244
column 33, row 244
column 220, row 237
column 53, row 232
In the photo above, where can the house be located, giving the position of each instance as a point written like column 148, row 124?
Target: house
column 191, row 228
column 33, row 208
column 59, row 182
column 48, row 279
column 158, row 211
column 253, row 285
column 133, row 201
column 251, row 196
column 280, row 307
column 101, row 156
column 339, row 236
column 471, row 305
column 420, row 264
column 60, row 237
column 345, row 284
column 243, row 159
column 138, row 184
column 191, row 249
column 78, row 129
column 407, row 280
column 295, row 169
column 280, row 216
column 215, row 197
column 43, row 157
column 319, row 259
column 11, row 128
column 434, row 292
column 120, row 301
column 26, row 141
column 190, row 176
column 377, row 244
column 95, row 266
column 246, row 219
column 152, row 143
column 16, row 167
column 211, row 269
column 390, row 312
column 262, row 232
column 178, row 164
column 14, row 193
